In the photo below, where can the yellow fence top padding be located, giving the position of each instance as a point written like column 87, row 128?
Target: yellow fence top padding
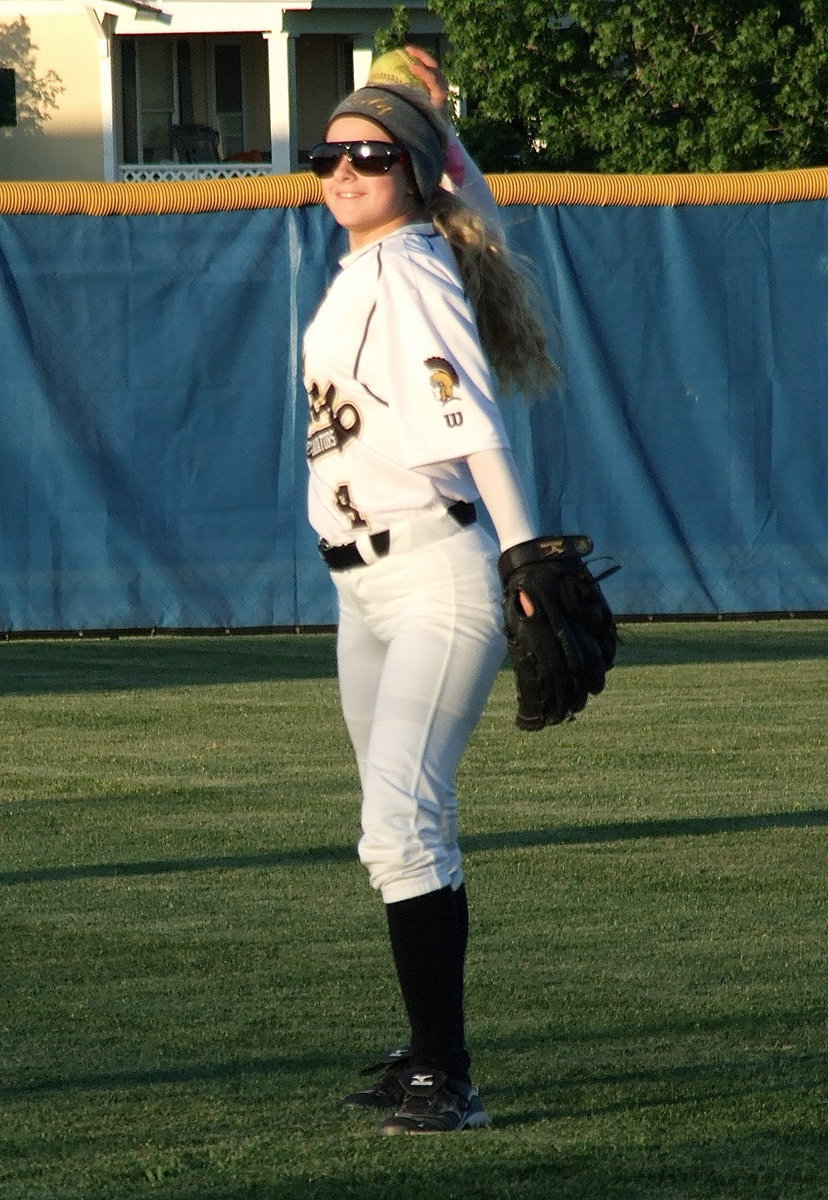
column 289, row 191
column 143, row 199
column 750, row 187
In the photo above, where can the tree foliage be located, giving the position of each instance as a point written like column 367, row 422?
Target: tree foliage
column 654, row 85
column 396, row 33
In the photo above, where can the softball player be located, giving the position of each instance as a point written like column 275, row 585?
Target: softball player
column 404, row 440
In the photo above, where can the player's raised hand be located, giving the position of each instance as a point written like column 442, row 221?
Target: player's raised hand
column 427, row 69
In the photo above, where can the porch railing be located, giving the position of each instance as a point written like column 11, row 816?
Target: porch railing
column 164, row 172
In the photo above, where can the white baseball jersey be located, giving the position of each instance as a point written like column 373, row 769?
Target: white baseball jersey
column 399, row 388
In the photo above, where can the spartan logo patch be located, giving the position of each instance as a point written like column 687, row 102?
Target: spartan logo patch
column 442, row 380
column 332, row 425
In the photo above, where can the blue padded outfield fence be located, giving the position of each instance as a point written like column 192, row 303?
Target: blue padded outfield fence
column 153, row 417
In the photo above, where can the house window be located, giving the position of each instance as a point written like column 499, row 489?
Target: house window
column 229, row 97
column 149, row 85
column 215, row 84
column 156, row 97
column 8, row 99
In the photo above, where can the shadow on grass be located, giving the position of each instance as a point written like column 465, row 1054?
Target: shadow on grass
column 685, row 1083
column 89, row 665
column 623, row 831
column 719, row 1078
column 164, row 1076
column 113, row 664
column 677, row 644
column 565, row 835
column 688, row 1083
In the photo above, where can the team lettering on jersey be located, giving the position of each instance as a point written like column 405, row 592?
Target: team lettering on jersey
column 332, row 425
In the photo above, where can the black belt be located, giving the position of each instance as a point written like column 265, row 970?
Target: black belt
column 343, row 558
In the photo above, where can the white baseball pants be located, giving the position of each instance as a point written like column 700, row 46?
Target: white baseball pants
column 419, row 645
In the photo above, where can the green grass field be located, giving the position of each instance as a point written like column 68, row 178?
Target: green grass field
column 194, row 968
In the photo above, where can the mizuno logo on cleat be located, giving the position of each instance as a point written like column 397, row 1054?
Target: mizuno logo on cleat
column 423, row 1081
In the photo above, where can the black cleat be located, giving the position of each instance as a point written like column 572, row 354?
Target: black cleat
column 387, row 1092
column 433, row 1102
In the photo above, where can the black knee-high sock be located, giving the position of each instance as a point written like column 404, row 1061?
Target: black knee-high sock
column 461, row 904
column 428, row 937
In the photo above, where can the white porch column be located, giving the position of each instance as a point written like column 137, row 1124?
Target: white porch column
column 281, row 60
column 363, row 53
column 103, row 32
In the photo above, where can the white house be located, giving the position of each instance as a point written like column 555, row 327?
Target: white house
column 171, row 89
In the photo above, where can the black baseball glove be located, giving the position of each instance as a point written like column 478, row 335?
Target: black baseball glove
column 562, row 652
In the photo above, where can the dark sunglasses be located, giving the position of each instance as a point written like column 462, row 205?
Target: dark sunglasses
column 367, row 158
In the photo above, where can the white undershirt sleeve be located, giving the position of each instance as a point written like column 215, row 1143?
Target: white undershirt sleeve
column 496, row 477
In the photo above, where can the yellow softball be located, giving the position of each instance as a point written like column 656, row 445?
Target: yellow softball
column 393, row 67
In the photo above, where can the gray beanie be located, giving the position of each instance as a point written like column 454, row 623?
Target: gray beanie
column 409, row 118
